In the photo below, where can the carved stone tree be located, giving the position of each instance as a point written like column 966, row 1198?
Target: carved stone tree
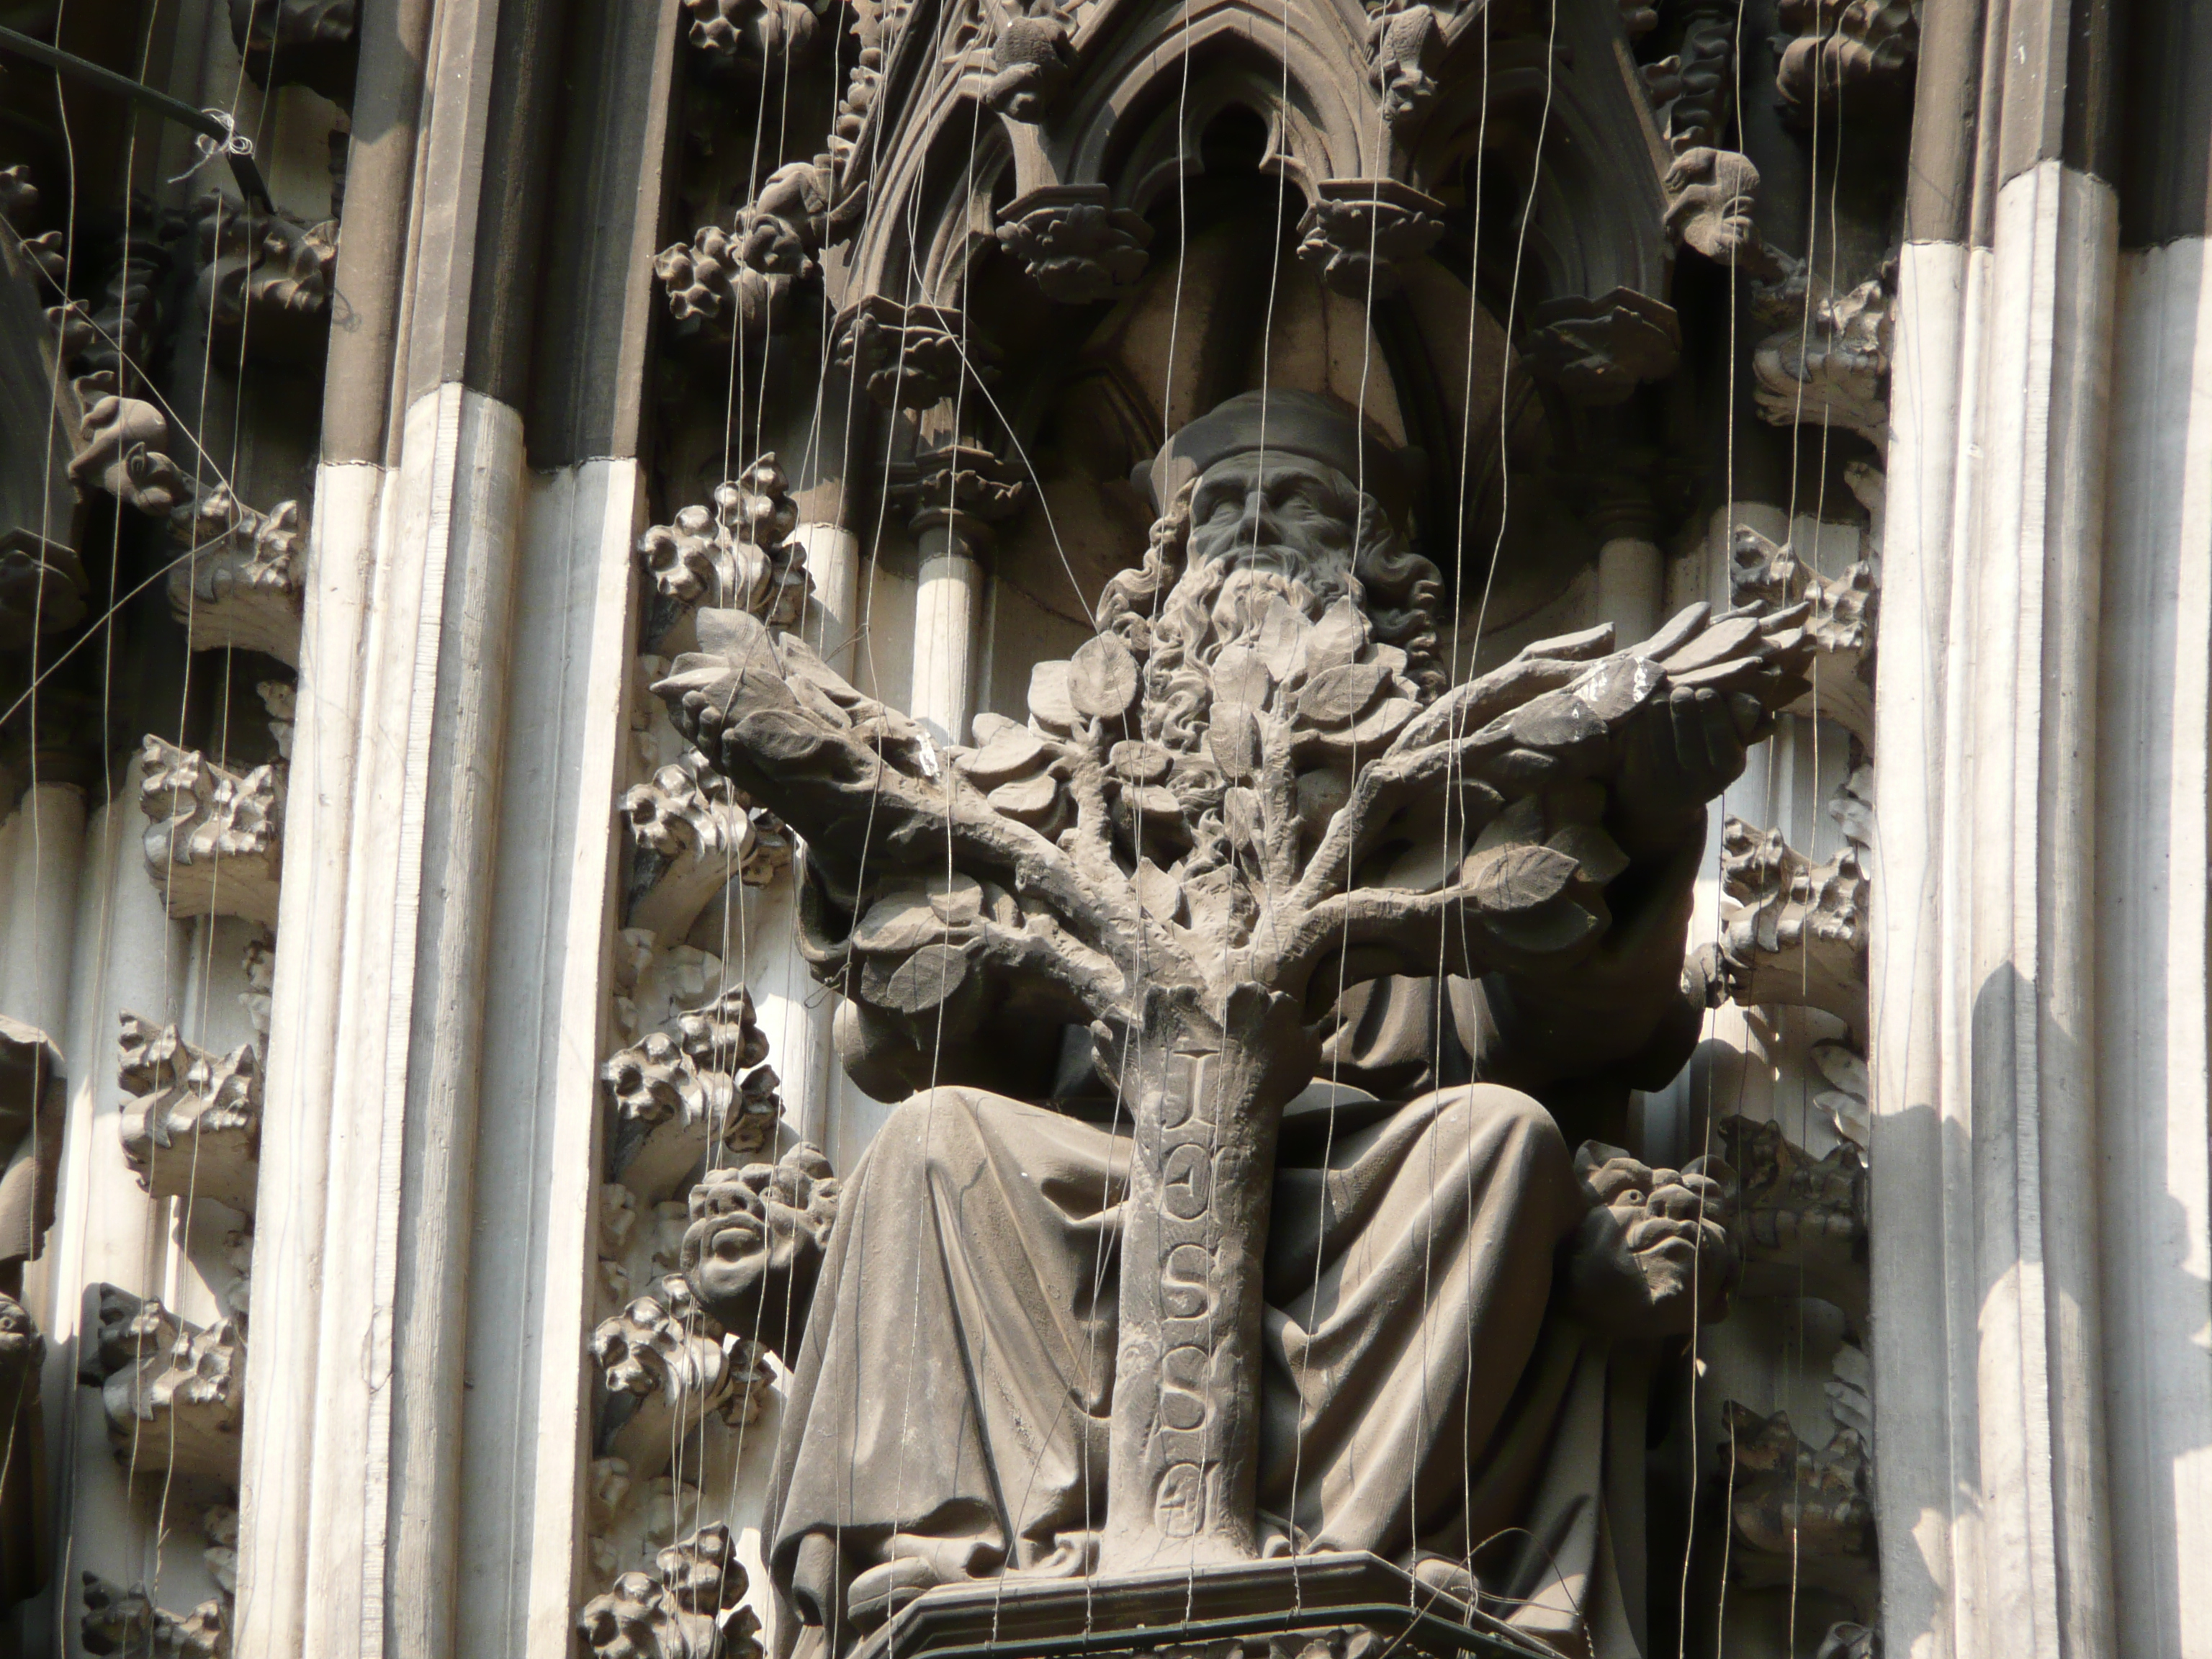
column 1194, row 853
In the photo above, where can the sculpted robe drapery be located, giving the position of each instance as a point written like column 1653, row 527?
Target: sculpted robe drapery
column 1423, row 1393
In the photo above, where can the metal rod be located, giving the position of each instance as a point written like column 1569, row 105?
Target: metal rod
column 241, row 161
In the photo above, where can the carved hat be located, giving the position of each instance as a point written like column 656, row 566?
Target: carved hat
column 1306, row 423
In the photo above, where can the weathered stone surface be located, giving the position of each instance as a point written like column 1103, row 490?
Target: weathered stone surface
column 1357, row 231
column 686, row 1607
column 697, row 1082
column 1803, row 1227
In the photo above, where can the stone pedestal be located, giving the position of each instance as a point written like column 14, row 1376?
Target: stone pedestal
column 1350, row 1606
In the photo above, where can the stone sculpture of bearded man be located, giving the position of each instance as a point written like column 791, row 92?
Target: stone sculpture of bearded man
column 1024, row 1360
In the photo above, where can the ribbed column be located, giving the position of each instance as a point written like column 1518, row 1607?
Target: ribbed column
column 2154, row 709
column 1988, row 1369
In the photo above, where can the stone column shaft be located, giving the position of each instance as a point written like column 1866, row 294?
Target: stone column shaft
column 1986, row 1344
column 948, row 611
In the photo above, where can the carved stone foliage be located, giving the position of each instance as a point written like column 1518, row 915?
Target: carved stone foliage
column 666, row 1365
column 737, row 552
column 1357, row 231
column 193, row 1127
column 264, row 276
column 863, row 84
column 1852, row 58
column 1692, row 87
column 1798, row 932
column 174, row 1392
column 1844, row 1101
column 912, row 356
column 712, row 289
column 244, row 583
column 697, row 1082
column 214, row 846
column 1841, row 622
column 686, row 1607
column 963, row 486
column 1803, row 1220
column 128, row 1624
column 761, row 37
column 742, row 278
column 1075, row 245
column 1599, row 351
column 310, row 43
column 1031, row 60
column 692, row 834
column 19, row 201
column 1404, row 50
column 43, row 588
column 1800, row 1515
column 1827, row 361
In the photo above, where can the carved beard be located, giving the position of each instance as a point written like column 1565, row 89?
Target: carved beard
column 1224, row 601
column 1216, row 602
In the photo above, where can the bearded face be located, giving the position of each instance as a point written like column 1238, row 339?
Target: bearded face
column 1265, row 527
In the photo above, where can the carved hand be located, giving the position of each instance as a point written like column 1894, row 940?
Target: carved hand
column 1653, row 1257
column 755, row 1245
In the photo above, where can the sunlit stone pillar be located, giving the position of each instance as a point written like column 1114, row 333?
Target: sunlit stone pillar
column 1989, row 1373
column 959, row 495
